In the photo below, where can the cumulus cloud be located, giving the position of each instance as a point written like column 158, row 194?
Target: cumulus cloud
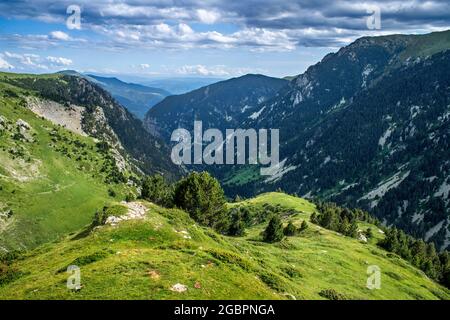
column 5, row 65
column 59, row 35
column 59, row 61
column 208, row 17
column 34, row 62
column 216, row 71
column 257, row 24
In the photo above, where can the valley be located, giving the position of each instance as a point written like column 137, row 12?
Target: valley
column 361, row 188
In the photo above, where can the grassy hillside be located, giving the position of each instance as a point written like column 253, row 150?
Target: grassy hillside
column 51, row 180
column 145, row 258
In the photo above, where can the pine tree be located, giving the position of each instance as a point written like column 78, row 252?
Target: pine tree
column 203, row 198
column 274, row 230
column 155, row 189
column 237, row 226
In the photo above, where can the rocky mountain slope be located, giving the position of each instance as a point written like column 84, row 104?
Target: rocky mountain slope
column 52, row 179
column 137, row 98
column 99, row 116
column 372, row 129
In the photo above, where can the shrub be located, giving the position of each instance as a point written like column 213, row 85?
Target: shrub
column 303, row 226
column 130, row 197
column 274, row 281
column 156, row 190
column 112, row 193
column 332, row 294
column 290, row 229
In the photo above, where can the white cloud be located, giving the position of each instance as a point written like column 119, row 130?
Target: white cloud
column 5, row 64
column 216, row 70
column 144, row 66
column 34, row 62
column 59, row 61
column 59, row 35
column 185, row 29
column 27, row 59
column 208, row 17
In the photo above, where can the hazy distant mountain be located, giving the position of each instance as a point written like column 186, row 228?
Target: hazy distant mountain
column 137, row 98
column 220, row 105
column 180, row 85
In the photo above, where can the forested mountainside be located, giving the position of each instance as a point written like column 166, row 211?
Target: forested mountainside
column 220, row 105
column 100, row 116
column 367, row 126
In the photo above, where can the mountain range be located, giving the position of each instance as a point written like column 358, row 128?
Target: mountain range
column 368, row 126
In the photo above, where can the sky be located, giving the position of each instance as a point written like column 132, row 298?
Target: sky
column 197, row 38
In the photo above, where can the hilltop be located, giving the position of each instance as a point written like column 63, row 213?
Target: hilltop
column 146, row 258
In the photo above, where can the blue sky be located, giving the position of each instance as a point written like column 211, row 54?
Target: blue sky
column 215, row 38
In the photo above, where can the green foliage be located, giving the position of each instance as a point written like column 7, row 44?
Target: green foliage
column 274, row 230
column 231, row 258
column 419, row 253
column 332, row 294
column 100, row 217
column 8, row 274
column 369, row 233
column 203, row 198
column 88, row 259
column 343, row 220
column 290, row 229
column 156, row 190
column 272, row 280
column 237, row 225
column 303, row 226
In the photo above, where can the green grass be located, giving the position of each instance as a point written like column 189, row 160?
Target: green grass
column 243, row 176
column 50, row 192
column 53, row 197
column 143, row 259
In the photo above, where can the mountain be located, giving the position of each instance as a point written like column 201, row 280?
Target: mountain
column 98, row 115
column 69, row 178
column 368, row 126
column 53, row 176
column 220, row 105
column 137, row 98
column 158, row 253
column 179, row 85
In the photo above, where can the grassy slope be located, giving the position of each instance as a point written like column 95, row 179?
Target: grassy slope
column 62, row 195
column 143, row 259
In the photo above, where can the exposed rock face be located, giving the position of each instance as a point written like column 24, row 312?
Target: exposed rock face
column 69, row 117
